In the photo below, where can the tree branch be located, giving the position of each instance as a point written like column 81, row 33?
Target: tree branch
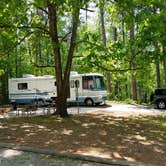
column 43, row 66
column 39, row 7
column 65, row 36
column 24, row 27
column 115, row 70
column 89, row 10
column 42, row 9
column 22, row 39
column 91, row 43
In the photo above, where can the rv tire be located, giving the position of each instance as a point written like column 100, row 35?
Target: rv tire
column 89, row 102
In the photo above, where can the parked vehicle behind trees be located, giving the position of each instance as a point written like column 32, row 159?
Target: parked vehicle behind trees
column 159, row 98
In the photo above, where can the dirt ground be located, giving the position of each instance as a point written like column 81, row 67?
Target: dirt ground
column 141, row 138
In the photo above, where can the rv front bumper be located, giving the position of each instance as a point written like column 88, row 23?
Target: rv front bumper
column 99, row 99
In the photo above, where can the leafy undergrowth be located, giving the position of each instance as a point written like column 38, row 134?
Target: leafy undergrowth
column 135, row 139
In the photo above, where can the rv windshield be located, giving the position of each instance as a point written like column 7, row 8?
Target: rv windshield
column 99, row 83
column 93, row 83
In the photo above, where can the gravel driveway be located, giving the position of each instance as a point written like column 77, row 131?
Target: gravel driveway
column 119, row 110
column 113, row 109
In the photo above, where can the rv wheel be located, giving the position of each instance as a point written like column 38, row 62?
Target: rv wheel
column 161, row 104
column 89, row 102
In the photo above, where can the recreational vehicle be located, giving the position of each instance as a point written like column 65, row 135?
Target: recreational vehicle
column 88, row 89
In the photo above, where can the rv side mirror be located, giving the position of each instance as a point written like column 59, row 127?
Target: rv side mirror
column 91, row 87
column 77, row 83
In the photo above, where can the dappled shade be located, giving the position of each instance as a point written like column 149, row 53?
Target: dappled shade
column 140, row 139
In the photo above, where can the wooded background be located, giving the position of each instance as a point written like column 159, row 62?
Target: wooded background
column 123, row 39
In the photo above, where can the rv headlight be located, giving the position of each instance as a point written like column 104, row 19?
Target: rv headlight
column 99, row 97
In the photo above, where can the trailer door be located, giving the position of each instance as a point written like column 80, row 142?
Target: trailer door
column 72, row 91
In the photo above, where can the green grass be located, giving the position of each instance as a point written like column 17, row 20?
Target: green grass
column 163, row 122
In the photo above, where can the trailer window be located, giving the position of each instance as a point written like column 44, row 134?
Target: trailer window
column 22, row 86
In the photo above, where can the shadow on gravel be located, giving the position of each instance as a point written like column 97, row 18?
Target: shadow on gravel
column 140, row 139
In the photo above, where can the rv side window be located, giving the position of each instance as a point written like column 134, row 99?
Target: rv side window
column 22, row 86
column 72, row 84
column 55, row 83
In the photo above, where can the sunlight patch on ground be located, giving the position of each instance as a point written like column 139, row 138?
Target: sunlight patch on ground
column 97, row 152
column 88, row 124
column 129, row 158
column 9, row 153
column 83, row 135
column 147, row 142
column 139, row 137
column 104, row 133
column 26, row 126
column 116, row 155
column 67, row 132
column 41, row 127
column 30, row 134
column 158, row 150
column 3, row 127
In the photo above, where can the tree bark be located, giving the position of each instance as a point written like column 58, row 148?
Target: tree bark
column 158, row 78
column 62, row 80
column 133, row 66
column 164, row 67
column 123, row 28
column 164, row 63
column 115, row 34
column 52, row 16
column 104, row 39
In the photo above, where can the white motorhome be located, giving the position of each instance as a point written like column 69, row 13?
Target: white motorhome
column 90, row 90
column 84, row 88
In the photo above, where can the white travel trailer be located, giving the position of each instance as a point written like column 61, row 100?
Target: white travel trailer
column 30, row 88
column 84, row 88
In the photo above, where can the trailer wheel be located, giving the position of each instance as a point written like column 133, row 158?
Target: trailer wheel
column 40, row 102
column 34, row 102
column 89, row 102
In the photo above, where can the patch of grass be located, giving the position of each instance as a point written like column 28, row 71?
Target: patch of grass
column 163, row 123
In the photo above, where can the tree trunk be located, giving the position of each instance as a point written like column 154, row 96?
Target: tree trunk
column 109, row 88
column 62, row 80
column 52, row 10
column 158, row 79
column 164, row 63
column 103, row 25
column 164, row 67
column 115, row 34
column 133, row 66
column 116, row 90
column 134, row 86
column 104, row 39
column 123, row 28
